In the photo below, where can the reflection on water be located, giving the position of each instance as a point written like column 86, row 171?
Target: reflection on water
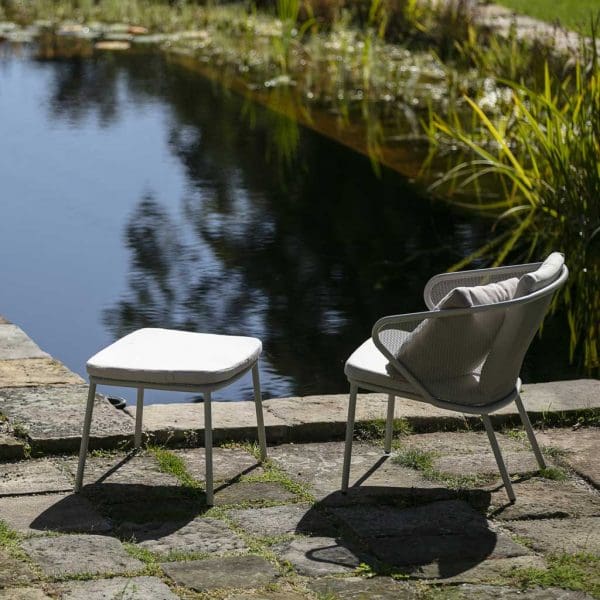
column 185, row 207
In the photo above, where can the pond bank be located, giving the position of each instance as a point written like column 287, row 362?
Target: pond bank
column 42, row 404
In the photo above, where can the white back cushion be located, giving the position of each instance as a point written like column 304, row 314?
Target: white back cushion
column 546, row 274
column 455, row 346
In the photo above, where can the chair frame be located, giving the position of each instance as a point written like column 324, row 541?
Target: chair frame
column 420, row 391
column 205, row 390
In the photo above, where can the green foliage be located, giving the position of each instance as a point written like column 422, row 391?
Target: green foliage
column 415, row 458
column 169, row 462
column 553, row 473
column 364, row 570
column 544, row 153
column 567, row 13
column 579, row 572
column 375, row 430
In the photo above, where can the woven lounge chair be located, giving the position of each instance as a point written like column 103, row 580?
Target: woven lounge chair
column 463, row 354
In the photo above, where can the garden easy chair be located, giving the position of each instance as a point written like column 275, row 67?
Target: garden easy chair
column 185, row 361
column 463, row 354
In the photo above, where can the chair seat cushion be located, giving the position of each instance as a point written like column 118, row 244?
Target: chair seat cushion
column 169, row 357
column 368, row 365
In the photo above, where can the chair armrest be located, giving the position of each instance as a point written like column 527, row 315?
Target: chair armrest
column 440, row 285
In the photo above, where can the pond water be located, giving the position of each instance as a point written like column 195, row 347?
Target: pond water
column 135, row 193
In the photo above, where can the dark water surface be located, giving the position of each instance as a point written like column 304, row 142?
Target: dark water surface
column 134, row 194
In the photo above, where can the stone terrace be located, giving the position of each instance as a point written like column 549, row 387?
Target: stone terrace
column 430, row 521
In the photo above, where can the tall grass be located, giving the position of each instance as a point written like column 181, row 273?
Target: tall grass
column 545, row 153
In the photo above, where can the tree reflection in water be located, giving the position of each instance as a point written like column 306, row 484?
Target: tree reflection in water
column 304, row 247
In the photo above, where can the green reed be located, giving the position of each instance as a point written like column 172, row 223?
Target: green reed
column 544, row 152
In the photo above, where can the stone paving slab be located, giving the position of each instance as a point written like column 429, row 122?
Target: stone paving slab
column 255, row 491
column 485, row 463
column 560, row 535
column 35, row 372
column 228, row 463
column 446, row 517
column 16, row 344
column 200, row 535
column 79, row 554
column 321, row 418
column 452, row 443
column 539, row 498
column 32, row 476
column 582, row 449
column 433, row 556
column 359, row 588
column 384, row 588
column 53, row 417
column 14, row 572
column 177, row 422
column 282, row 520
column 489, row 571
column 121, row 588
column 225, row 572
column 287, row 593
column 320, row 465
column 468, row 591
column 140, row 504
column 51, row 512
column 11, row 447
column 126, row 469
column 318, row 556
column 24, row 593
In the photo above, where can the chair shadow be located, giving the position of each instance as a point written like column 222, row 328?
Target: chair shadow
column 418, row 532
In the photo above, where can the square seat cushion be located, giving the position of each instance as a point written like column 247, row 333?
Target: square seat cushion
column 166, row 356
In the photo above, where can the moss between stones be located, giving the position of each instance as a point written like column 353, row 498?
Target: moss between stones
column 580, row 572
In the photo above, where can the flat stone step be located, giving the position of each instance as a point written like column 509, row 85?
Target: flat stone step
column 51, row 417
column 15, row 344
column 322, row 418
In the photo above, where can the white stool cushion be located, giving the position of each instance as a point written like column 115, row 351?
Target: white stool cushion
column 166, row 356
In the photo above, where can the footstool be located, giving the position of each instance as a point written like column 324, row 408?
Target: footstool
column 165, row 359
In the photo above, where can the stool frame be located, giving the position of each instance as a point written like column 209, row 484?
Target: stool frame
column 205, row 390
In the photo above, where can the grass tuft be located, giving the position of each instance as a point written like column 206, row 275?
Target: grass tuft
column 580, row 572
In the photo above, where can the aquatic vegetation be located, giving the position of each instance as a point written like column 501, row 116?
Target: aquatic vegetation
column 543, row 153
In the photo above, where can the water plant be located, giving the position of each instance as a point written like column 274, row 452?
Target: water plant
column 544, row 153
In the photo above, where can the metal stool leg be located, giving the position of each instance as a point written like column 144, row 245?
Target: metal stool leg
column 260, row 422
column 529, row 429
column 139, row 414
column 498, row 455
column 349, row 435
column 208, row 448
column 85, row 435
column 389, row 424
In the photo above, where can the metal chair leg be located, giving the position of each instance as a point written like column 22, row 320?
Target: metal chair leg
column 389, row 424
column 85, row 435
column 530, row 434
column 208, row 448
column 260, row 422
column 349, row 435
column 498, row 455
column 139, row 414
